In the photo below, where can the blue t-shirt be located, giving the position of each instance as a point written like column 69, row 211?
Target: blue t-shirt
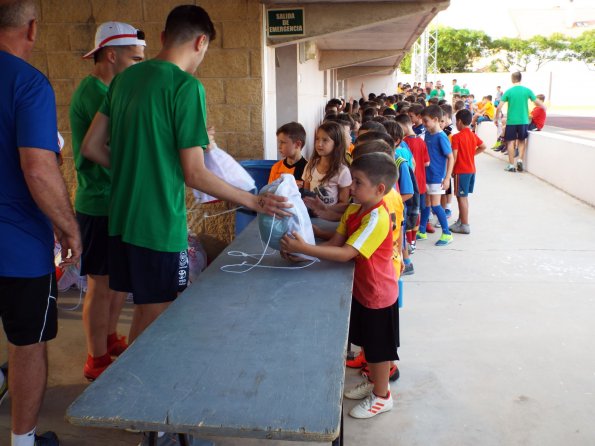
column 405, row 183
column 27, row 119
column 404, row 151
column 438, row 149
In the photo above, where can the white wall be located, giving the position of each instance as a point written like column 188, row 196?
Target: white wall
column 372, row 84
column 563, row 161
column 311, row 100
column 270, row 103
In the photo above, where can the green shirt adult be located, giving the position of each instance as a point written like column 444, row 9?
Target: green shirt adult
column 457, row 89
column 92, row 193
column 517, row 98
column 464, row 91
column 155, row 110
column 435, row 92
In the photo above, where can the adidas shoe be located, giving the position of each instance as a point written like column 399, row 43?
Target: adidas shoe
column 361, row 391
column 421, row 236
column 372, row 406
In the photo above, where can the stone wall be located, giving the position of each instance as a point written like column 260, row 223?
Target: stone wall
column 230, row 72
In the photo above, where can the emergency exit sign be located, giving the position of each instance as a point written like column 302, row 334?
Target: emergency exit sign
column 285, row 22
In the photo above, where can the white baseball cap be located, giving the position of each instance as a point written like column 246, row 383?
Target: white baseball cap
column 116, row 34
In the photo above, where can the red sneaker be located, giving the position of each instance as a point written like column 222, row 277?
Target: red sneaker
column 429, row 228
column 95, row 366
column 116, row 347
column 358, row 362
column 393, row 374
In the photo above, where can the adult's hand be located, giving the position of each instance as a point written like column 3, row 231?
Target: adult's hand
column 71, row 247
column 272, row 205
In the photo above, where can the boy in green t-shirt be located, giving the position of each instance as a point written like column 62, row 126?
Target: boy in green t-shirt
column 517, row 119
column 154, row 117
column 117, row 46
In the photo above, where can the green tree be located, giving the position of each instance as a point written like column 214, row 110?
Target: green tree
column 583, row 47
column 513, row 52
column 459, row 48
column 405, row 65
column 547, row 49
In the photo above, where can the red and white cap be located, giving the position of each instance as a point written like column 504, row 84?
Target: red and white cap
column 116, row 34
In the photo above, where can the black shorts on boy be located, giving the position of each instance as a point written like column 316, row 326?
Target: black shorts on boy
column 516, row 132
column 375, row 330
column 151, row 276
column 94, row 259
column 28, row 308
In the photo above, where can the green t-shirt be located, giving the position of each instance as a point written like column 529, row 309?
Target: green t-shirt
column 464, row 91
column 517, row 98
column 155, row 110
column 440, row 93
column 457, row 89
column 92, row 193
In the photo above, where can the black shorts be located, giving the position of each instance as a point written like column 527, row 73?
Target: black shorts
column 94, row 237
column 449, row 190
column 28, row 307
column 516, row 132
column 152, row 277
column 375, row 330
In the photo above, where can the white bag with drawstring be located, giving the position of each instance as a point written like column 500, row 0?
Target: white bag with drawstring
column 274, row 228
column 228, row 169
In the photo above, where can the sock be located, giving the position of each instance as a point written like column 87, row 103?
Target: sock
column 99, row 361
column 27, row 439
column 112, row 338
column 441, row 218
column 407, row 261
column 383, row 397
column 425, row 216
column 448, row 205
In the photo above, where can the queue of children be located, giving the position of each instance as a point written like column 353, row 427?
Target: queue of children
column 380, row 167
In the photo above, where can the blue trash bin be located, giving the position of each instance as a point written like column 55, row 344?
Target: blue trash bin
column 260, row 171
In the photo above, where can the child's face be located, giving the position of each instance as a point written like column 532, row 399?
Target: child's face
column 415, row 119
column 362, row 190
column 460, row 125
column 431, row 124
column 287, row 147
column 445, row 121
column 324, row 144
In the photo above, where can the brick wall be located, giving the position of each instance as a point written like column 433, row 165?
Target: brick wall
column 230, row 72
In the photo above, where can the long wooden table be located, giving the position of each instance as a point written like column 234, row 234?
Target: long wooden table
column 254, row 355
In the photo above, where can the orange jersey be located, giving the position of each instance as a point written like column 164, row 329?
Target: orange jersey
column 283, row 166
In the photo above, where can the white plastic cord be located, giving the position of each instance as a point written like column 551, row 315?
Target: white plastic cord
column 78, row 304
column 259, row 257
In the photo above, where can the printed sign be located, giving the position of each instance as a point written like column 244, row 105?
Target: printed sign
column 285, row 22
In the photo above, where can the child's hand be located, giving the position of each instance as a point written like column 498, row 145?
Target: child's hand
column 291, row 257
column 314, row 203
column 292, row 244
column 445, row 183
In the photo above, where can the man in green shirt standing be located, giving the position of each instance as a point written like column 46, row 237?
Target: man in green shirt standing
column 117, row 46
column 438, row 91
column 154, row 117
column 517, row 119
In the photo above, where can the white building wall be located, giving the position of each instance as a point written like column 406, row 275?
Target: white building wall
column 311, row 100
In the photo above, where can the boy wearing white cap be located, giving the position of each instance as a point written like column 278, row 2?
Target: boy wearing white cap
column 154, row 117
column 117, row 46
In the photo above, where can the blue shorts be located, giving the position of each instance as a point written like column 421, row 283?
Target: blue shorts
column 464, row 183
column 516, row 132
column 483, row 119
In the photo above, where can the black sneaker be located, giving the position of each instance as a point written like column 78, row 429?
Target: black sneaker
column 47, row 439
column 519, row 166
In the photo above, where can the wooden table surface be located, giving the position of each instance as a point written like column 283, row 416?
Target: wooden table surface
column 258, row 355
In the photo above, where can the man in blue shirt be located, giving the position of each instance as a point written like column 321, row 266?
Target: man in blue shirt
column 34, row 205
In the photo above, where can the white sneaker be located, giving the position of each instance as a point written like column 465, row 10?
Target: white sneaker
column 360, row 391
column 372, row 406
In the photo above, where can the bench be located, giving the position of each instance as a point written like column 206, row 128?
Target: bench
column 254, row 355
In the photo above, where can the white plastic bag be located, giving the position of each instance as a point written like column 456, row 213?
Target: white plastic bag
column 274, row 229
column 228, row 169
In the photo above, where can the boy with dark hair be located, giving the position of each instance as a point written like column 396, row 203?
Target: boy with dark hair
column 154, row 118
column 517, row 119
column 365, row 235
column 437, row 173
column 415, row 113
column 291, row 138
column 465, row 146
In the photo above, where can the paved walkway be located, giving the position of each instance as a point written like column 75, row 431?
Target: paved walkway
column 497, row 333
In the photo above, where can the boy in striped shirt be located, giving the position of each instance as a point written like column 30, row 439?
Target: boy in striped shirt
column 364, row 235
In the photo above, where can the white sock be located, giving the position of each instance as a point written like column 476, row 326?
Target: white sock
column 27, row 439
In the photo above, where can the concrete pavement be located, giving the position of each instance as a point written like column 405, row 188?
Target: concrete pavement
column 497, row 333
